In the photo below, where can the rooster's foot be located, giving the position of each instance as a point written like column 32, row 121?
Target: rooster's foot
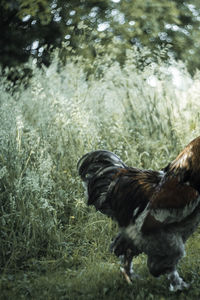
column 176, row 282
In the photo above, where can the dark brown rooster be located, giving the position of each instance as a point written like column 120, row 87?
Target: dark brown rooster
column 156, row 211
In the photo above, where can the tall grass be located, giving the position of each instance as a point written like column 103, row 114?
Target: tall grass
column 145, row 117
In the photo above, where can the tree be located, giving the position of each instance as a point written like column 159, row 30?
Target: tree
column 35, row 27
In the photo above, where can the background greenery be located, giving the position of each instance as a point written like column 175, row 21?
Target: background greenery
column 35, row 27
column 52, row 246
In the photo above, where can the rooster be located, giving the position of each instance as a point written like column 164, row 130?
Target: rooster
column 156, row 211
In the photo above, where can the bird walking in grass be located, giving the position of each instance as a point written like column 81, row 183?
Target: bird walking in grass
column 156, row 211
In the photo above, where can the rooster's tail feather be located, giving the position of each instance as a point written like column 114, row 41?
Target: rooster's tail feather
column 97, row 169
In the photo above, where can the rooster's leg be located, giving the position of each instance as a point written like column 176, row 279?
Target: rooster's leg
column 176, row 282
column 126, row 267
column 125, row 250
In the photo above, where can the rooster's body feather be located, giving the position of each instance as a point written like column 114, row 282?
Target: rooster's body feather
column 156, row 210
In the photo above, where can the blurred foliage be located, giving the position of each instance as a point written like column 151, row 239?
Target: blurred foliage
column 94, row 27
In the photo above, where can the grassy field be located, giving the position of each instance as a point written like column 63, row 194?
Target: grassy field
column 52, row 246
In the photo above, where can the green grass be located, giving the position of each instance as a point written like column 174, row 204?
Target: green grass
column 52, row 246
